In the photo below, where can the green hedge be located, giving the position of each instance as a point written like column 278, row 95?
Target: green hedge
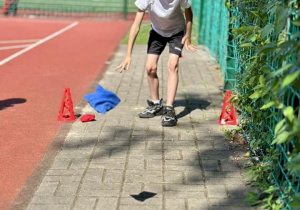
column 257, row 45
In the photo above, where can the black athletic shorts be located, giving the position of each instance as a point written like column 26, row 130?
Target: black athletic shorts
column 157, row 43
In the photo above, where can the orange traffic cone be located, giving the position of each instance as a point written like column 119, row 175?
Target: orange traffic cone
column 227, row 116
column 66, row 112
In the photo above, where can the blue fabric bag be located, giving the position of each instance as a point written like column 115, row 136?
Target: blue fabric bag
column 102, row 100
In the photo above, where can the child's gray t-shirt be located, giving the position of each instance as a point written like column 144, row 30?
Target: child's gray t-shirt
column 166, row 15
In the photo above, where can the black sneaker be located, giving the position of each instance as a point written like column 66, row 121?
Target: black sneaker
column 152, row 110
column 169, row 117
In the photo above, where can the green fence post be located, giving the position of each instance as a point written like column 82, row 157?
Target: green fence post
column 201, row 22
column 125, row 9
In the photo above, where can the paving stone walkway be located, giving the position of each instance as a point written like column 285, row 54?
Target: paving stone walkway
column 122, row 162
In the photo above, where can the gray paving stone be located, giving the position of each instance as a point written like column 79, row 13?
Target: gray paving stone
column 107, row 163
column 135, row 207
column 227, row 181
column 221, row 145
column 154, row 164
column 228, row 202
column 105, row 136
column 119, row 152
column 187, row 135
column 67, row 189
column 215, row 155
column 94, row 174
column 52, row 200
column 197, row 204
column 184, row 194
column 154, row 145
column 146, row 176
column 88, row 143
column 156, row 127
column 63, row 172
column 211, row 165
column 190, row 154
column 72, row 178
column 74, row 153
column 217, row 191
column 132, row 189
column 137, row 164
column 106, row 203
column 153, row 201
column 113, row 176
column 153, row 154
column 138, row 145
column 223, row 174
column 174, row 177
column 187, row 165
column 238, row 191
column 229, row 165
column 78, row 163
column 61, row 163
column 112, row 143
column 193, row 176
column 173, row 155
column 205, row 145
column 48, row 207
column 85, row 203
column 47, row 188
column 171, row 135
column 231, row 208
column 185, row 187
column 178, row 204
column 99, row 189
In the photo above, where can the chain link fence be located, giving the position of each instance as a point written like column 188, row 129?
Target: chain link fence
column 211, row 28
column 97, row 9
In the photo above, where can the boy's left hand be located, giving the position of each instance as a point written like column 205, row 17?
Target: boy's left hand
column 186, row 41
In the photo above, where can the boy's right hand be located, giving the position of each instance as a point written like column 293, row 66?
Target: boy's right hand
column 124, row 65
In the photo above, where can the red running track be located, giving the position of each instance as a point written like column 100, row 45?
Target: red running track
column 32, row 85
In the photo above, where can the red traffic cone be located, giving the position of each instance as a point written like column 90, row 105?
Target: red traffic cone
column 66, row 112
column 227, row 116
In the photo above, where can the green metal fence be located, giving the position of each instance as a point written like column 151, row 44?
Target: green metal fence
column 217, row 26
column 75, row 8
column 211, row 27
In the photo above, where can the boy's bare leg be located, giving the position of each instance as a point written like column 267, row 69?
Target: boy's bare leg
column 151, row 67
column 172, row 78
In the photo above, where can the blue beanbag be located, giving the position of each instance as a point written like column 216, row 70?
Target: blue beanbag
column 102, row 100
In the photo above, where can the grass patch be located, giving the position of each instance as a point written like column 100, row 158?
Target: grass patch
column 143, row 35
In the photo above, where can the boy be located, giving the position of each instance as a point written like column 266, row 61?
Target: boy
column 168, row 26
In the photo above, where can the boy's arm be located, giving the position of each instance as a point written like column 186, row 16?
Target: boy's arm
column 186, row 40
column 132, row 36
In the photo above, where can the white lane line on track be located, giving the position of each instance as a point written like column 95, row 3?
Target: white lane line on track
column 37, row 43
column 18, row 41
column 14, row 47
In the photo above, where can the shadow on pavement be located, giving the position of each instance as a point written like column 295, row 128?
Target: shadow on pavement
column 10, row 102
column 143, row 196
column 190, row 105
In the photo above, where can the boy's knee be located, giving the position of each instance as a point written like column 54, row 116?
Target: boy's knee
column 172, row 66
column 151, row 69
